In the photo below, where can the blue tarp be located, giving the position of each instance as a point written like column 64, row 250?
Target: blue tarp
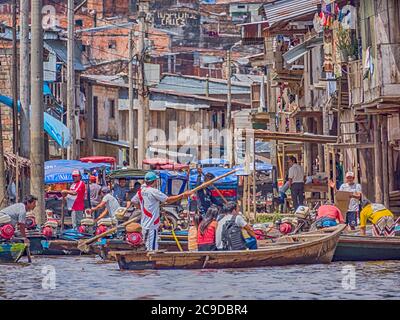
column 55, row 128
column 259, row 167
column 213, row 161
column 167, row 177
column 229, row 182
column 60, row 171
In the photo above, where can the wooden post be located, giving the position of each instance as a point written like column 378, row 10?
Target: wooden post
column 391, row 168
column 328, row 169
column 385, row 171
column 377, row 160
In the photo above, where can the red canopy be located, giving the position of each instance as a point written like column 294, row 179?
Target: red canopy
column 174, row 166
column 98, row 159
column 157, row 161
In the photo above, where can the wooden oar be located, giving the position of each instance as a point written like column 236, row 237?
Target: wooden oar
column 83, row 245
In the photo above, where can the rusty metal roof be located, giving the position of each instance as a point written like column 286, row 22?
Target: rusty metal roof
column 281, row 10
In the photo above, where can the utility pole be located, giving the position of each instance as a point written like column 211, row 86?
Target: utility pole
column 229, row 104
column 143, row 110
column 37, row 136
column 71, row 93
column 14, row 77
column 24, row 94
column 131, row 104
column 3, row 199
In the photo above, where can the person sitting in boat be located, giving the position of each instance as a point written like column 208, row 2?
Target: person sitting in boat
column 148, row 200
column 121, row 191
column 231, row 224
column 17, row 213
column 204, row 196
column 382, row 219
column 109, row 202
column 207, row 230
column 328, row 215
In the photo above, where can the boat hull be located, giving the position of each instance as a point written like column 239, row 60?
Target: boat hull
column 11, row 252
column 105, row 247
column 318, row 250
column 362, row 248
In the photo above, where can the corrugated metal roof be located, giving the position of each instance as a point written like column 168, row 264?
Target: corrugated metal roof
column 59, row 47
column 192, row 85
column 288, row 9
column 300, row 50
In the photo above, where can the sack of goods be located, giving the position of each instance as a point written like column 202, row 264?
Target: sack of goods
column 107, row 222
column 120, row 213
column 133, row 227
column 134, row 239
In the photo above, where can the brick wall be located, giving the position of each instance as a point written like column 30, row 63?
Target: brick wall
column 5, row 89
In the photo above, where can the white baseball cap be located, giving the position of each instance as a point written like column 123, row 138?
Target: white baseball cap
column 76, row 173
column 350, row 174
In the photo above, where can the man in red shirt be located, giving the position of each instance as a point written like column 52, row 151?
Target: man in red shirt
column 76, row 193
column 328, row 215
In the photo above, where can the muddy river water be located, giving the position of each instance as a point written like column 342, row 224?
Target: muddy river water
column 90, row 278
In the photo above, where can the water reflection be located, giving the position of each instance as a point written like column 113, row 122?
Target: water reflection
column 90, row 278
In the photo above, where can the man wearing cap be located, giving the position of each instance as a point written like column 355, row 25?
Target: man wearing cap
column 109, row 202
column 94, row 191
column 148, row 200
column 76, row 193
column 355, row 189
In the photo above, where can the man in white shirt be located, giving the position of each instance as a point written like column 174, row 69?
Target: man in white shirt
column 148, row 199
column 354, row 204
column 296, row 182
column 109, row 202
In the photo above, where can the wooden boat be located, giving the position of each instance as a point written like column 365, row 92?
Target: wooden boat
column 297, row 249
column 11, row 252
column 367, row 248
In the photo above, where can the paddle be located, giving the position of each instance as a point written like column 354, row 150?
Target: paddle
column 83, row 245
column 210, row 182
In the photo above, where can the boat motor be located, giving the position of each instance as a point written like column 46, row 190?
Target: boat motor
column 6, row 228
column 87, row 224
column 103, row 225
column 49, row 229
column 30, row 222
column 135, row 239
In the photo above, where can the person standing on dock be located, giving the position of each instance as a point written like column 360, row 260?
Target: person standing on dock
column 296, row 182
column 76, row 195
column 148, row 200
column 354, row 204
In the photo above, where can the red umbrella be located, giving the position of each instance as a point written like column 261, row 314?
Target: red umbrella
column 175, row 166
column 157, row 161
column 98, row 159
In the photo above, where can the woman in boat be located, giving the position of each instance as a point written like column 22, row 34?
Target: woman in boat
column 328, row 215
column 382, row 219
column 207, row 230
column 192, row 234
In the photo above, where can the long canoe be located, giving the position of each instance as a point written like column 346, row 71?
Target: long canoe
column 11, row 252
column 298, row 249
column 367, row 248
